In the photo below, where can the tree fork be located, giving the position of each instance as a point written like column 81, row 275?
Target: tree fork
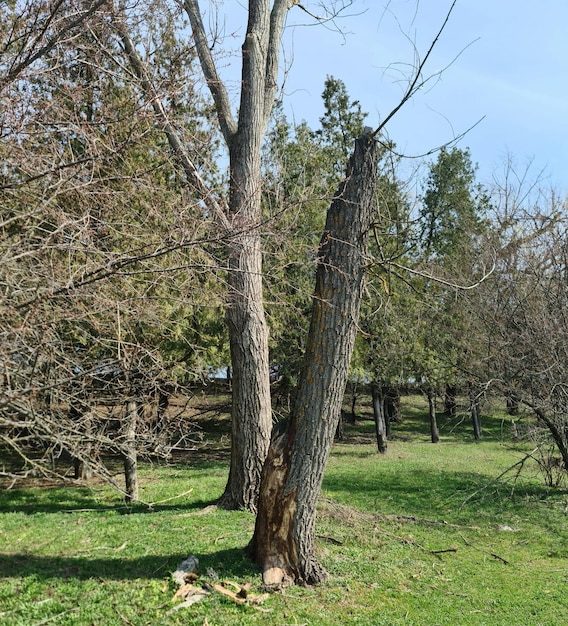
column 283, row 540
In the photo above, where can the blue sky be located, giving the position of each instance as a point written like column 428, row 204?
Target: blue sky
column 510, row 67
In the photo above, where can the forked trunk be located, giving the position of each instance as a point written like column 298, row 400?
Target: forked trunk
column 283, row 541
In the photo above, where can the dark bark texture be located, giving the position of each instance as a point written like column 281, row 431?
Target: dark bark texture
column 283, row 541
column 380, row 419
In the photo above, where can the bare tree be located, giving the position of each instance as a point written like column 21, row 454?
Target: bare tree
column 92, row 219
column 521, row 311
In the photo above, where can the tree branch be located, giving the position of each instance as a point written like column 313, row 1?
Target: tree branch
column 61, row 32
column 416, row 82
column 215, row 84
column 190, row 169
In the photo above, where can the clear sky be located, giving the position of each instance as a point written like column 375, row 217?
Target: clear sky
column 506, row 62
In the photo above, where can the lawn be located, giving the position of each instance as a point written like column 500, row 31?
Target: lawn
column 423, row 535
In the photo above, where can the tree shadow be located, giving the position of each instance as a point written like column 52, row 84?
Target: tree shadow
column 434, row 493
column 73, row 499
column 231, row 564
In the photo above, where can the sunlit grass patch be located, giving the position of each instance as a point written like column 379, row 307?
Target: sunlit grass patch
column 422, row 535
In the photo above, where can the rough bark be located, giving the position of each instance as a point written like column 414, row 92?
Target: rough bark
column 283, row 541
column 248, row 331
column 239, row 219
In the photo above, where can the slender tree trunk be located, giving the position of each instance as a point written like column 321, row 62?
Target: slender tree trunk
column 512, row 405
column 475, row 418
column 450, row 402
column 558, row 431
column 379, row 415
column 354, row 403
column 248, row 336
column 283, row 541
column 81, row 467
column 392, row 404
column 434, row 434
column 130, row 455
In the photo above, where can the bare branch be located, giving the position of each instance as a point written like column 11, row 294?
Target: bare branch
column 191, row 171
column 215, row 84
column 417, row 81
column 61, row 32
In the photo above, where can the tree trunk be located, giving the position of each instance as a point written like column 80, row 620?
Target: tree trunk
column 558, row 431
column 248, row 337
column 283, row 541
column 450, row 401
column 512, row 405
column 379, row 415
column 353, row 418
column 248, row 331
column 240, row 222
column 434, row 434
column 475, row 418
column 392, row 404
column 129, row 454
column 82, row 469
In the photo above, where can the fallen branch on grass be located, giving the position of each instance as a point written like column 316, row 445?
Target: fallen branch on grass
column 186, row 575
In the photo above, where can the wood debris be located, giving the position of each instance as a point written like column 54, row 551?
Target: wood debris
column 186, row 575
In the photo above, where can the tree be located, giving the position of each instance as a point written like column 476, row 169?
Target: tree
column 521, row 311
column 283, row 541
column 300, row 172
column 453, row 207
column 92, row 219
column 453, row 218
column 248, row 331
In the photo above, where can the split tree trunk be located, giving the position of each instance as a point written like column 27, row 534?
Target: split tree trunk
column 283, row 541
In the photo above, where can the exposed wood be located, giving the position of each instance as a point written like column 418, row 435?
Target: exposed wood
column 283, row 541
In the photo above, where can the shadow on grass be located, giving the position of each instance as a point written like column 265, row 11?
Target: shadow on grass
column 48, row 496
column 231, row 564
column 430, row 493
column 71, row 500
column 416, row 428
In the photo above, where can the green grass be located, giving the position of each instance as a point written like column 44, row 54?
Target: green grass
column 420, row 536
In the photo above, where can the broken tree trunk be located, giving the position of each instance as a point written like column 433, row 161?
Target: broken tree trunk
column 283, row 541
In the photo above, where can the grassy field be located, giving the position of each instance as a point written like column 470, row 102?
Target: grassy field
column 421, row 536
